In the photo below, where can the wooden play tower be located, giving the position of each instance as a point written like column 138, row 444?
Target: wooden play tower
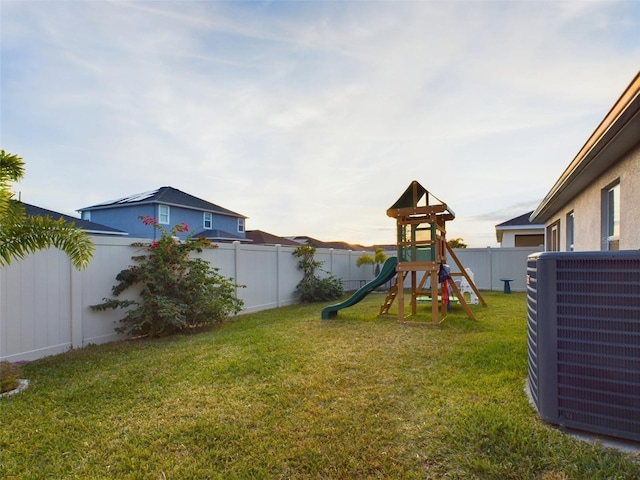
column 422, row 247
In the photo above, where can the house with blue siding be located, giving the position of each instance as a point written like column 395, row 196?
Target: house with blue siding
column 169, row 206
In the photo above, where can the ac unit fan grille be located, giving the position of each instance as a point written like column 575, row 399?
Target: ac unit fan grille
column 583, row 334
column 598, row 315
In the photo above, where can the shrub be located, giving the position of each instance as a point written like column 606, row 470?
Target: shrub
column 320, row 289
column 178, row 292
column 311, row 288
column 9, row 375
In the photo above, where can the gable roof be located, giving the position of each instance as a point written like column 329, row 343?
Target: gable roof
column 522, row 222
column 258, row 237
column 87, row 226
column 167, row 196
column 418, row 201
column 616, row 135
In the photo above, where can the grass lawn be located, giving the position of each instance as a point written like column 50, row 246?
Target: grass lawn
column 283, row 394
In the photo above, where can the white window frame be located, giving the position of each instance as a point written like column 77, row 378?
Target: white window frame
column 611, row 216
column 570, row 231
column 241, row 225
column 161, row 215
column 553, row 237
column 207, row 220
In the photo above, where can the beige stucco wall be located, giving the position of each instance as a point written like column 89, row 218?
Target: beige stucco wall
column 587, row 208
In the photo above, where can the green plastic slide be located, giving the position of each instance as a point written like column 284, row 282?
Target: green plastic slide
column 386, row 273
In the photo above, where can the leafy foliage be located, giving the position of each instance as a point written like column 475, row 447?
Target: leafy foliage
column 457, row 243
column 378, row 258
column 178, row 291
column 21, row 235
column 364, row 259
column 320, row 289
column 312, row 288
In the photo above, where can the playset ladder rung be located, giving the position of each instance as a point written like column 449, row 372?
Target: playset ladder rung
column 391, row 296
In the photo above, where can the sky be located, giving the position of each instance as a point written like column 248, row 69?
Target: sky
column 310, row 118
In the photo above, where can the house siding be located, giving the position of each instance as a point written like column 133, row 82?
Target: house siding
column 194, row 219
column 126, row 218
column 587, row 208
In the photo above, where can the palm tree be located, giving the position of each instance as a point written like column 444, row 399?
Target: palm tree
column 21, row 235
column 457, row 243
column 377, row 259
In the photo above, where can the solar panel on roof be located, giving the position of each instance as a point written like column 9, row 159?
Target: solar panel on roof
column 137, row 197
column 132, row 198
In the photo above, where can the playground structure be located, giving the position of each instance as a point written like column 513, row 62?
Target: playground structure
column 422, row 248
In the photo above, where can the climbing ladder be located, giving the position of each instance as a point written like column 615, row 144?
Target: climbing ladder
column 391, row 296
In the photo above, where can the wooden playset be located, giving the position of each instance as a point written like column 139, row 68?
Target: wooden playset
column 422, row 247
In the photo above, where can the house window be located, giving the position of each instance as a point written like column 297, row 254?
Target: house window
column 611, row 217
column 163, row 214
column 86, row 216
column 207, row 220
column 570, row 231
column 529, row 240
column 553, row 237
column 241, row 225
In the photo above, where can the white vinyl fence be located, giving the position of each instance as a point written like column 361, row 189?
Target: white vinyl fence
column 45, row 302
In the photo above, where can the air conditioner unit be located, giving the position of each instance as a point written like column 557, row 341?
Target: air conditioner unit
column 583, row 338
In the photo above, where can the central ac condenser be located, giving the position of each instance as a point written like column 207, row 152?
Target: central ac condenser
column 583, row 338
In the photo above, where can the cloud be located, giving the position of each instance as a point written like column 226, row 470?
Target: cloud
column 311, row 118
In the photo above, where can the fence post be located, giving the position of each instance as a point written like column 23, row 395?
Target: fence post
column 490, row 269
column 75, row 299
column 278, row 282
column 331, row 261
column 236, row 265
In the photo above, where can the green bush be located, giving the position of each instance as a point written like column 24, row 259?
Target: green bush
column 9, row 375
column 178, row 292
column 320, row 289
column 311, row 288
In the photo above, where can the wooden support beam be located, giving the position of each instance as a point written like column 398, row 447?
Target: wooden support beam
column 434, row 298
column 466, row 275
column 414, row 301
column 400, row 283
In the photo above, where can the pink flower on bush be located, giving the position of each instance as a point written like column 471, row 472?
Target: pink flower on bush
column 148, row 220
column 182, row 227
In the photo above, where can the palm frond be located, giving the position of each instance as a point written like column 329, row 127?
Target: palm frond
column 11, row 170
column 17, row 240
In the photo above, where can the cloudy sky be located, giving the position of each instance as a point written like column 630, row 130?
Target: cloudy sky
column 310, row 118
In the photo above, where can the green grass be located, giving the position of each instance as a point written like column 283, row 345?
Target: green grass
column 283, row 394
